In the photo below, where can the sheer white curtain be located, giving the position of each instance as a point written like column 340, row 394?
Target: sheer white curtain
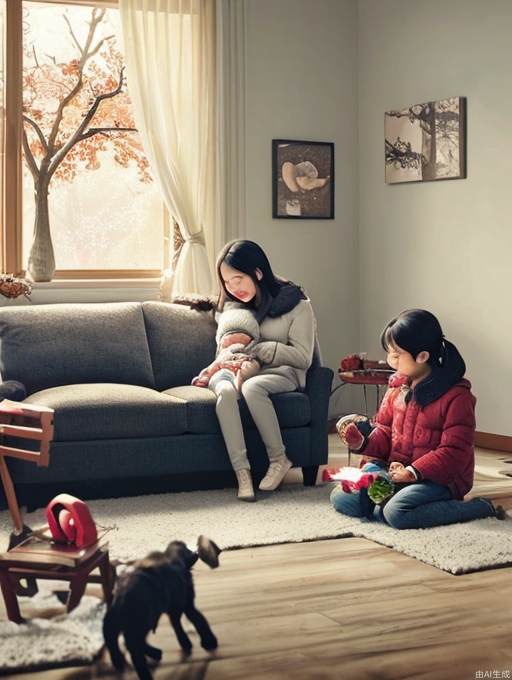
column 170, row 56
column 231, row 130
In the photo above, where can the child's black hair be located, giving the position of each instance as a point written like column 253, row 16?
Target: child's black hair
column 415, row 331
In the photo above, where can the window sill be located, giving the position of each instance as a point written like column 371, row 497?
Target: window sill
column 95, row 290
column 96, row 283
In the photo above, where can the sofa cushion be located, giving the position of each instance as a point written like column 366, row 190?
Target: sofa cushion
column 200, row 405
column 48, row 345
column 181, row 342
column 110, row 411
column 292, row 408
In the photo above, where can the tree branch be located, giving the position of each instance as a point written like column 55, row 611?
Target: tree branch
column 95, row 131
column 75, row 39
column 31, row 162
column 80, row 131
column 98, row 46
column 90, row 133
column 38, row 130
column 97, row 17
column 35, row 56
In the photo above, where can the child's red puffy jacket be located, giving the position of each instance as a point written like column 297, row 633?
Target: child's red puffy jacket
column 437, row 439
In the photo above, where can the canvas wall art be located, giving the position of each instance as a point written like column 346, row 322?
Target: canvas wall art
column 302, row 179
column 426, row 141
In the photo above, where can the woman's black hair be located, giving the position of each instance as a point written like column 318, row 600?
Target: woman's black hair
column 246, row 257
column 415, row 331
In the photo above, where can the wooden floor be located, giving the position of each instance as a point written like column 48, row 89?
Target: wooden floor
column 344, row 608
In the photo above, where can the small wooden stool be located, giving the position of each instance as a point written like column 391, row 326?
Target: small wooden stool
column 13, row 568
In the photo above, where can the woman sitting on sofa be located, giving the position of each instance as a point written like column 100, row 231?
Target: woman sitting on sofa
column 285, row 352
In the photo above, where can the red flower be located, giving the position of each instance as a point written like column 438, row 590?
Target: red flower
column 352, row 362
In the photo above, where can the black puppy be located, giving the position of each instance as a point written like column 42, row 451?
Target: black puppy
column 161, row 583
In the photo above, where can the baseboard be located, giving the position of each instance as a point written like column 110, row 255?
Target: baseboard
column 495, row 442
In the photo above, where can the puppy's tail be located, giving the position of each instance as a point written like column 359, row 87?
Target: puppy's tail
column 111, row 631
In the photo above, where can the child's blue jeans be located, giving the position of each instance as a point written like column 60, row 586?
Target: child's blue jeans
column 416, row 506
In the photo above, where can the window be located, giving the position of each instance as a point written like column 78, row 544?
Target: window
column 84, row 186
column 2, row 100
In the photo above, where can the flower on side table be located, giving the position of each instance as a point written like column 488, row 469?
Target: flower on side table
column 13, row 287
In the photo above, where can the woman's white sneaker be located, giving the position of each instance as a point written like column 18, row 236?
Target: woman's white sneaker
column 245, row 487
column 275, row 474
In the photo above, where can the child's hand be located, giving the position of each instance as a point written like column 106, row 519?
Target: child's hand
column 401, row 475
column 232, row 364
column 200, row 381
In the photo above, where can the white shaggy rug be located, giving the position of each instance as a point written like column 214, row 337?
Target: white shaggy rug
column 66, row 640
column 292, row 514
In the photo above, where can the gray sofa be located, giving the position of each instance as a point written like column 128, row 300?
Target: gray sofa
column 118, row 376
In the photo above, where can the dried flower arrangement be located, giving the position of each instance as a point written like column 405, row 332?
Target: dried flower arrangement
column 12, row 286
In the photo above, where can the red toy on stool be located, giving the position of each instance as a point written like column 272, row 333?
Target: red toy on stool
column 70, row 521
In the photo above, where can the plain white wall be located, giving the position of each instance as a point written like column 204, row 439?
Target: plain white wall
column 301, row 84
column 444, row 245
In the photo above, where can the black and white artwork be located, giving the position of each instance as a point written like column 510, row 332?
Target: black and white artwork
column 302, row 179
column 426, row 141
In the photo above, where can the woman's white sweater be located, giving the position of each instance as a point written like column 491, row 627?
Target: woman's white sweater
column 287, row 343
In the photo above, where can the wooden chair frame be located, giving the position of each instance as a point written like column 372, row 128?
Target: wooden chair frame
column 26, row 421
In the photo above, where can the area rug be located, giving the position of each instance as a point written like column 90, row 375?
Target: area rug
column 66, row 640
column 292, row 514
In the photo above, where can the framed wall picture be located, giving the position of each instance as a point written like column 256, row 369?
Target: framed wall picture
column 302, row 179
column 426, row 142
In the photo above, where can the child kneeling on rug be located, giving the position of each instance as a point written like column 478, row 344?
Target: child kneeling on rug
column 423, row 433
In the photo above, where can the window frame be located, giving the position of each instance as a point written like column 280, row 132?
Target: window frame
column 12, row 208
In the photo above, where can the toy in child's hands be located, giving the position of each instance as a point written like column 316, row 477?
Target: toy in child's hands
column 354, row 430
column 373, row 478
column 353, row 438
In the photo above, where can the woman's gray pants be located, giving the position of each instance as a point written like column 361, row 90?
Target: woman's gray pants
column 256, row 392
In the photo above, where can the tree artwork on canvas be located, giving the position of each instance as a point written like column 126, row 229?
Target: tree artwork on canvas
column 426, row 141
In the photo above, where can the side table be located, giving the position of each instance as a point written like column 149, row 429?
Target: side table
column 14, row 565
column 367, row 376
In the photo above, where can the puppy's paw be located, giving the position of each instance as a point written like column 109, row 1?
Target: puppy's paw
column 153, row 653
column 119, row 665
column 209, row 643
column 186, row 652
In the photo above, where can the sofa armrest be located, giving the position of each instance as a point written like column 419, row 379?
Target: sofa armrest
column 318, row 389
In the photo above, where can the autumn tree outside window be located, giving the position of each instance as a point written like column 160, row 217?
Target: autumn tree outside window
column 88, row 200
